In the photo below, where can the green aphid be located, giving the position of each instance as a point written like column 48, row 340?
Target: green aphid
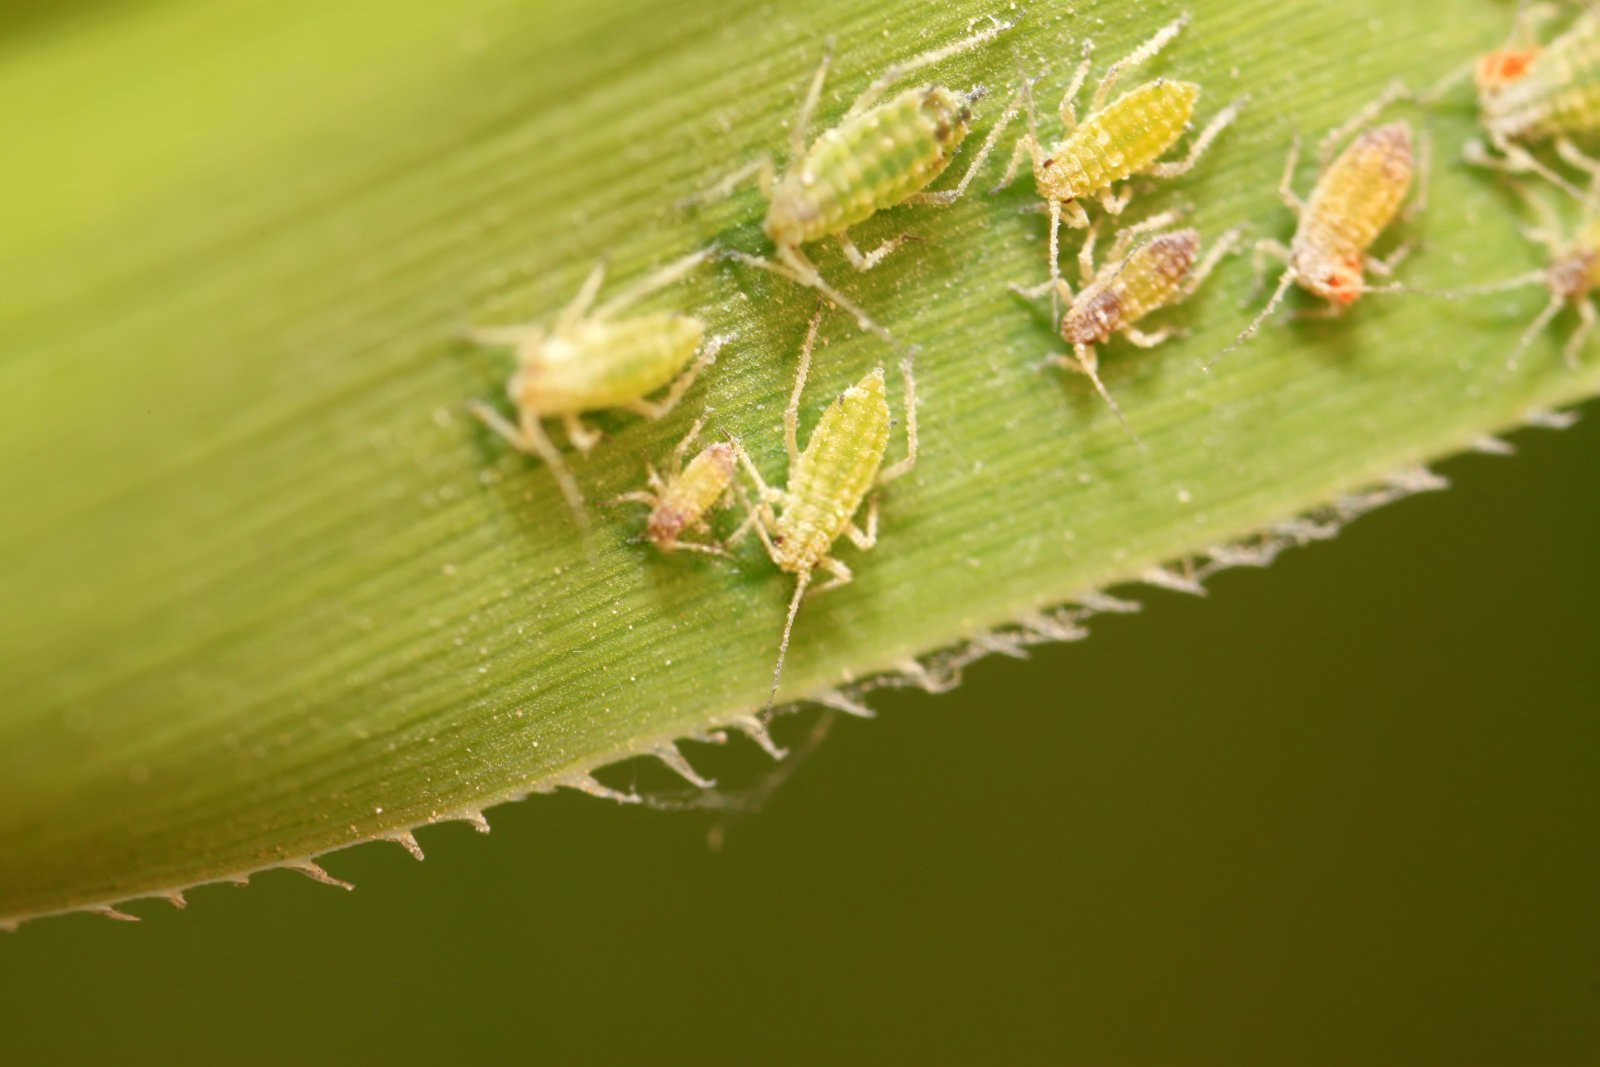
column 1115, row 141
column 841, row 464
column 590, row 360
column 881, row 154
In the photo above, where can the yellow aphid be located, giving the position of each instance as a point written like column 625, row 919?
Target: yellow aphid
column 589, row 360
column 680, row 502
column 1116, row 140
column 1356, row 198
column 827, row 482
column 1157, row 272
column 882, row 153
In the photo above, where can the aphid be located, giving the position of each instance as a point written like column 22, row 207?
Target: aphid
column 1156, row 273
column 1530, row 93
column 827, row 482
column 880, row 155
column 1115, row 141
column 1571, row 277
column 1353, row 202
column 680, row 502
column 590, row 360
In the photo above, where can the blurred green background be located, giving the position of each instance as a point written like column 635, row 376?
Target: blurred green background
column 1344, row 810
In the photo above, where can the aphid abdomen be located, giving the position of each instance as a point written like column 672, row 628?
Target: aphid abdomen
column 1154, row 273
column 1357, row 197
column 693, row 493
column 1121, row 139
column 1559, row 92
column 601, row 364
column 867, row 163
column 830, row 479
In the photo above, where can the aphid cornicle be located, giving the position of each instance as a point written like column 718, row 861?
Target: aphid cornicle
column 680, row 502
column 1355, row 199
column 882, row 153
column 1530, row 93
column 827, row 482
column 1157, row 272
column 589, row 360
column 1115, row 141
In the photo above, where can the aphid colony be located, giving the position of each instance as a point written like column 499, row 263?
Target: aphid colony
column 887, row 149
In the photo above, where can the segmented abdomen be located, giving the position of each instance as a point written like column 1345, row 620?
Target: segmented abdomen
column 690, row 495
column 602, row 364
column 832, row 476
column 1358, row 195
column 1145, row 281
column 868, row 163
column 1121, row 139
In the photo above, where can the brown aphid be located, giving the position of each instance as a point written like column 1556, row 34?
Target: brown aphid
column 1138, row 279
column 680, row 502
column 1356, row 198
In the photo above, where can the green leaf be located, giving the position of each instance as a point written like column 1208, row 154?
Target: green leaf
column 271, row 592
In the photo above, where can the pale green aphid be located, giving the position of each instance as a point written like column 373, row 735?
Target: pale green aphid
column 841, row 463
column 881, row 154
column 589, row 360
column 1115, row 141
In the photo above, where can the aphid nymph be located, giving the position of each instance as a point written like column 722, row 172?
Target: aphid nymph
column 882, row 153
column 1530, row 93
column 841, row 464
column 589, row 360
column 1355, row 199
column 1141, row 275
column 680, row 502
column 1115, row 140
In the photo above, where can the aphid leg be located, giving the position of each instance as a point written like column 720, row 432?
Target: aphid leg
column 1535, row 328
column 798, row 269
column 1570, row 154
column 760, row 168
column 1068, row 108
column 1514, row 159
column 791, row 413
column 1222, row 121
column 903, row 466
column 631, row 294
column 581, row 436
column 873, row 92
column 839, row 574
column 530, row 438
column 868, row 260
column 638, row 496
column 1286, row 193
column 1395, row 90
column 1139, row 55
column 1115, row 203
column 1423, row 179
column 1127, row 235
column 579, row 307
column 1587, row 318
column 656, row 409
column 865, row 539
column 501, row 336
column 1086, row 252
column 950, row 196
column 1012, row 107
column 1028, row 143
column 800, row 130
column 1219, row 248
column 1546, row 229
column 1141, row 339
column 681, row 449
column 1385, row 267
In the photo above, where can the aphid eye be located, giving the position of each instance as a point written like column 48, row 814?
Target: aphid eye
column 1047, row 164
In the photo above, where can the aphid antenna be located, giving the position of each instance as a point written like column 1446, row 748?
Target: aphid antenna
column 1520, row 281
column 803, row 580
column 800, row 270
column 1284, row 282
column 1535, row 328
column 1089, row 369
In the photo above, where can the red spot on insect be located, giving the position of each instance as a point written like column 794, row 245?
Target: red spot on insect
column 1342, row 285
column 1497, row 70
